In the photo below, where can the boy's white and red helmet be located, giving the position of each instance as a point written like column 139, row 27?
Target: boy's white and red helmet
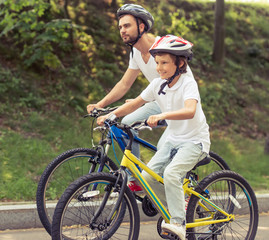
column 174, row 45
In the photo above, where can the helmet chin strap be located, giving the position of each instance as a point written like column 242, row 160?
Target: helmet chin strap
column 131, row 45
column 169, row 80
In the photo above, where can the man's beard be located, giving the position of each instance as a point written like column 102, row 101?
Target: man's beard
column 129, row 39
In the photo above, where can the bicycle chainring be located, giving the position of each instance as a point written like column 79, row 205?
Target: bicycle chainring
column 148, row 207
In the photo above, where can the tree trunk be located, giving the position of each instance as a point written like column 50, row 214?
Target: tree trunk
column 219, row 33
column 266, row 146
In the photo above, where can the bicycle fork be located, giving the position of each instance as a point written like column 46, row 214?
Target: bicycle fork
column 121, row 177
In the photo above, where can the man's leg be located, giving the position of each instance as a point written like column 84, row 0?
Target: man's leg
column 140, row 114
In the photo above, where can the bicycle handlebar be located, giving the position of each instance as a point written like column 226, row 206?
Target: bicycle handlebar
column 100, row 111
column 137, row 125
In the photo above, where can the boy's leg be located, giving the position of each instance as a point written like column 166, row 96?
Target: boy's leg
column 187, row 156
column 158, row 163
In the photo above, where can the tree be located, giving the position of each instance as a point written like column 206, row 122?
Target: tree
column 219, row 33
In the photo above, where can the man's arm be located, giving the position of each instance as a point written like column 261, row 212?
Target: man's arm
column 124, row 109
column 118, row 91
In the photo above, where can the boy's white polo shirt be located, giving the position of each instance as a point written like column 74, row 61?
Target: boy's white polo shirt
column 196, row 129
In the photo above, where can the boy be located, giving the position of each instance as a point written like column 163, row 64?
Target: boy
column 178, row 96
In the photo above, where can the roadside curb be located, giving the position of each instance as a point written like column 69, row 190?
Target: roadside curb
column 24, row 216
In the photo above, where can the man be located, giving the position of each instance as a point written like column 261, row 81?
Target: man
column 134, row 23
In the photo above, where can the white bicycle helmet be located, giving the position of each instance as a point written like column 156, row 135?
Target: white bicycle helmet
column 138, row 12
column 173, row 45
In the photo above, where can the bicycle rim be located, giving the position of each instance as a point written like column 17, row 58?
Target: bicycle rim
column 241, row 202
column 65, row 169
column 76, row 208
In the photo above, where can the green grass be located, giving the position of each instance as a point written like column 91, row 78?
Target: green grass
column 25, row 153
column 245, row 156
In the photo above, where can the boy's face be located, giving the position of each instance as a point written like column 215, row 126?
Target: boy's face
column 165, row 65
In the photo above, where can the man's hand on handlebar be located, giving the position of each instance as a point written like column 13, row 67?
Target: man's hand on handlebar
column 91, row 107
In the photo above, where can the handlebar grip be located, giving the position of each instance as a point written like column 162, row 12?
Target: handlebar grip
column 159, row 123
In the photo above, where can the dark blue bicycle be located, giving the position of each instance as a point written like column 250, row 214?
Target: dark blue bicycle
column 77, row 162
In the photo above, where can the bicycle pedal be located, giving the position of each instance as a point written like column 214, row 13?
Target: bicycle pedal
column 167, row 235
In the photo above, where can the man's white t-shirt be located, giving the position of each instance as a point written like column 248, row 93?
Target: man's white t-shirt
column 196, row 129
column 148, row 69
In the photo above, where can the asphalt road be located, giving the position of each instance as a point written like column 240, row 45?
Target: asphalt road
column 148, row 231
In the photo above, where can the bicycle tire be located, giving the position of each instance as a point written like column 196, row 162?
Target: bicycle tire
column 75, row 210
column 244, row 207
column 219, row 160
column 57, row 169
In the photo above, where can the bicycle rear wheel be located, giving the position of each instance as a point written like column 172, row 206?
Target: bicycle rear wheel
column 74, row 213
column 241, row 202
column 62, row 171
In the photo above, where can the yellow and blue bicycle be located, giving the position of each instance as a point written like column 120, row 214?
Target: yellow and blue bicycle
column 101, row 206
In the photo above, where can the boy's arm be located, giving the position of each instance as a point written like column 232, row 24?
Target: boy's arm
column 124, row 109
column 187, row 112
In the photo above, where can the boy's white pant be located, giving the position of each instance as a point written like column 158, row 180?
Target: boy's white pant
column 173, row 170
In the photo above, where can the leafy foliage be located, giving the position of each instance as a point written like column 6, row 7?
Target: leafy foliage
column 91, row 63
column 29, row 26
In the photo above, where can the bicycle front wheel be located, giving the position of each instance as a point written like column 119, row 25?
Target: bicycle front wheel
column 62, row 171
column 241, row 202
column 83, row 214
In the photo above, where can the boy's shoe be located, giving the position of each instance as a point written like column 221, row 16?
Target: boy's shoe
column 175, row 228
column 134, row 186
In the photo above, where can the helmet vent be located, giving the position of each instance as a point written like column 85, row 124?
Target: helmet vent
column 178, row 45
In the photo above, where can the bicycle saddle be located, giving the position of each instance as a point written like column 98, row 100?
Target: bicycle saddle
column 204, row 161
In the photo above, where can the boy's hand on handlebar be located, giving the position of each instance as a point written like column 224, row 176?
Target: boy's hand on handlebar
column 153, row 120
column 100, row 120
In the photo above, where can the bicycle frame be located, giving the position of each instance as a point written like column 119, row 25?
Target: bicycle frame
column 119, row 135
column 131, row 162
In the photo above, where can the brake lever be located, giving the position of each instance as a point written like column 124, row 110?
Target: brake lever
column 139, row 128
column 99, row 128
